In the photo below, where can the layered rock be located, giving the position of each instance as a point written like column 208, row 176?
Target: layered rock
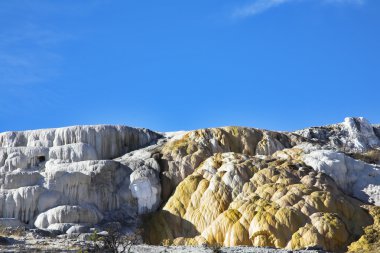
column 354, row 177
column 353, row 135
column 233, row 199
column 21, row 157
column 108, row 141
column 68, row 214
column 73, row 153
column 66, row 175
column 144, row 183
column 219, row 186
column 213, row 199
column 92, row 182
column 181, row 156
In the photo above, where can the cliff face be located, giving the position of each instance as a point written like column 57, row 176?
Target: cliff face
column 66, row 175
column 228, row 186
column 107, row 141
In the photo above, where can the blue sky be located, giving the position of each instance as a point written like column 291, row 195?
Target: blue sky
column 176, row 65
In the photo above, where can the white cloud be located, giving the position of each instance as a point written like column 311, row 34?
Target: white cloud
column 259, row 6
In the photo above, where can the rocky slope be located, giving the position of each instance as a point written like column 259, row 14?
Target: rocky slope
column 56, row 177
column 227, row 186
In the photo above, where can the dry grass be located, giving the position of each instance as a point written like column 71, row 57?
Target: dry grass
column 372, row 156
column 8, row 232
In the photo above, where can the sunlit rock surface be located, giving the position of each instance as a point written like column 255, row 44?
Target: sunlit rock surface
column 67, row 175
column 232, row 199
column 240, row 186
column 108, row 141
column 354, row 177
column 353, row 135
column 229, row 186
column 68, row 214
column 180, row 157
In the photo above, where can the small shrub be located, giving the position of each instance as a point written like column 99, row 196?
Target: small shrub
column 9, row 231
column 114, row 242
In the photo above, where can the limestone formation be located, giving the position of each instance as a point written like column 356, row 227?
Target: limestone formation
column 354, row 177
column 144, row 183
column 229, row 186
column 53, row 176
column 181, row 156
column 370, row 240
column 233, row 199
column 108, row 141
column 353, row 135
column 68, row 214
